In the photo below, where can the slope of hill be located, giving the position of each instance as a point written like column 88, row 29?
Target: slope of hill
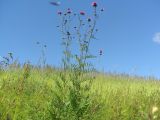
column 27, row 96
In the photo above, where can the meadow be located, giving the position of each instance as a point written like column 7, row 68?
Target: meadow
column 76, row 90
column 27, row 94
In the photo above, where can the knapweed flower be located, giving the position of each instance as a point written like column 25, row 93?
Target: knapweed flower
column 102, row 9
column 82, row 13
column 100, row 52
column 69, row 11
column 89, row 19
column 94, row 4
column 59, row 13
column 68, row 33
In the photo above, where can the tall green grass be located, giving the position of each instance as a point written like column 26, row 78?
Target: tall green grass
column 29, row 97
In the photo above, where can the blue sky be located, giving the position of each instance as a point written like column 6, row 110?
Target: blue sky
column 129, row 33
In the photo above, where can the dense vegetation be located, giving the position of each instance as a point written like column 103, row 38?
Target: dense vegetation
column 27, row 94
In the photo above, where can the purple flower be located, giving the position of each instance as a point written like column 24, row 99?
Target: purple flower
column 89, row 19
column 82, row 12
column 59, row 13
column 102, row 9
column 100, row 52
column 94, row 4
column 69, row 11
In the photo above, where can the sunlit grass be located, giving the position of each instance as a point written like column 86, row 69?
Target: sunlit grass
column 123, row 97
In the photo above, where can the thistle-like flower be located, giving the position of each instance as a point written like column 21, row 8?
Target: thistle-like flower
column 102, row 9
column 59, row 13
column 100, row 52
column 82, row 13
column 69, row 11
column 94, row 4
column 89, row 19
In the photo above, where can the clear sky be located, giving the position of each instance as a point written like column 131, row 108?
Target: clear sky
column 129, row 33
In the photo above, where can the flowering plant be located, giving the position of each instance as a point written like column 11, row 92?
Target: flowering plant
column 73, row 98
column 83, row 33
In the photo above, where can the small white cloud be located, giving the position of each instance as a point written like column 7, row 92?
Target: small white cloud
column 156, row 38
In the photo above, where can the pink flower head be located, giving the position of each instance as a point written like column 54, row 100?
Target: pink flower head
column 59, row 13
column 82, row 12
column 94, row 4
column 69, row 11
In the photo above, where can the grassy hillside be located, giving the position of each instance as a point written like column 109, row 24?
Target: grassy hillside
column 28, row 96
